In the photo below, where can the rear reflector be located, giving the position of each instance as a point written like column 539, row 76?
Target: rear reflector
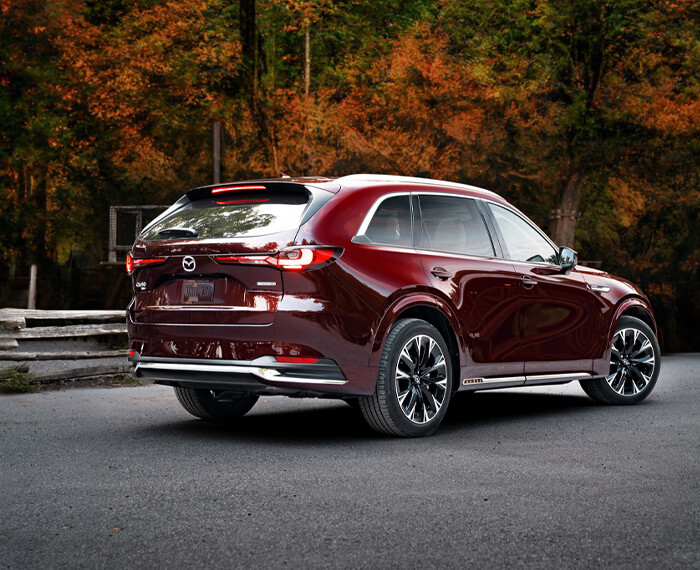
column 292, row 259
column 223, row 189
column 296, row 359
column 133, row 264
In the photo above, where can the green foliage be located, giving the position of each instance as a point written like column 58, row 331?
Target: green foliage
column 13, row 381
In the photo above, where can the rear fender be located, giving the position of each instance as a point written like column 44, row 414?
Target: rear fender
column 404, row 304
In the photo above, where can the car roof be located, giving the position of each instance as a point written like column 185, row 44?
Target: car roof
column 355, row 181
column 358, row 182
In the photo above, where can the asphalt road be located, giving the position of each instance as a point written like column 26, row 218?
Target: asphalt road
column 541, row 478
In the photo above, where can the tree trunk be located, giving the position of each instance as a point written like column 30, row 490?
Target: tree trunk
column 249, row 49
column 562, row 220
column 307, row 57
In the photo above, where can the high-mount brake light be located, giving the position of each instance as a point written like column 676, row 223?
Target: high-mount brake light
column 223, row 189
column 133, row 264
column 294, row 259
column 250, row 201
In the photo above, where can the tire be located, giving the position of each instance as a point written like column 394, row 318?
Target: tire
column 414, row 384
column 203, row 404
column 635, row 362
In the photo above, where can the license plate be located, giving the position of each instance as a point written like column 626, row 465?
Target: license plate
column 197, row 292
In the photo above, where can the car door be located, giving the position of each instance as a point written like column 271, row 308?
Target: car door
column 461, row 263
column 557, row 310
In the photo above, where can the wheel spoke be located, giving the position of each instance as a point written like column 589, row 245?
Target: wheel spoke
column 632, row 362
column 402, row 397
column 421, row 379
column 407, row 359
column 430, row 398
column 650, row 360
column 440, row 363
column 645, row 345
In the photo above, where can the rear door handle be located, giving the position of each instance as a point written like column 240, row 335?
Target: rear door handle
column 527, row 281
column 441, row 273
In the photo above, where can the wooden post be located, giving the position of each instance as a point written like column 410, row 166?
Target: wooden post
column 31, row 303
column 216, row 151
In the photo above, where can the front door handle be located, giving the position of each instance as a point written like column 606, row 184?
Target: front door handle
column 441, row 273
column 527, row 281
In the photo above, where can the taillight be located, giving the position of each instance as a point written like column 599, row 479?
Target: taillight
column 133, row 264
column 295, row 258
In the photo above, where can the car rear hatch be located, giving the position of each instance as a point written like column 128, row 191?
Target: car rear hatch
column 181, row 263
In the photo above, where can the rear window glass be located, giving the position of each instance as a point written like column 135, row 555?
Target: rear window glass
column 230, row 216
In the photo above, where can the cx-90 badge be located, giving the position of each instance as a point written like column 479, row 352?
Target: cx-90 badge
column 188, row 263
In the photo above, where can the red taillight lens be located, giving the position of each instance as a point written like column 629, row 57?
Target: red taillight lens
column 133, row 264
column 294, row 259
column 296, row 359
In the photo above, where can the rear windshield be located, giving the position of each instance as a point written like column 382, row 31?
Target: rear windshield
column 231, row 216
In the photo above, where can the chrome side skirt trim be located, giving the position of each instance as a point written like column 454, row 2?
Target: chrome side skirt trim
column 504, row 379
column 527, row 380
column 555, row 377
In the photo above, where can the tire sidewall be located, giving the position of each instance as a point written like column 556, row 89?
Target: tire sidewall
column 627, row 322
column 396, row 340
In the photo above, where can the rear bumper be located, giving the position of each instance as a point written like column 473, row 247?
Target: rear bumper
column 264, row 375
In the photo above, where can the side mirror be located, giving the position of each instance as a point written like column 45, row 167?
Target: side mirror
column 567, row 259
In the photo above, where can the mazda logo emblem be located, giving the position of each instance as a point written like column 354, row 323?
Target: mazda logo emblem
column 188, row 263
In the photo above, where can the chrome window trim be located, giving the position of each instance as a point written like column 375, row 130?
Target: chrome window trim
column 373, row 209
column 441, row 253
column 360, row 237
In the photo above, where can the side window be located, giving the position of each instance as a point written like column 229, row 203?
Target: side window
column 391, row 223
column 453, row 225
column 523, row 242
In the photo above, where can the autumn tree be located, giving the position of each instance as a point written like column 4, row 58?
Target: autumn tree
column 556, row 67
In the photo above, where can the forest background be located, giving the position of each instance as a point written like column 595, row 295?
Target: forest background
column 584, row 113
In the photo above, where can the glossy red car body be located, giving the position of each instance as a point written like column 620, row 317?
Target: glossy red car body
column 507, row 322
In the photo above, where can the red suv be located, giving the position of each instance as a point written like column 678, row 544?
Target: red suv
column 391, row 293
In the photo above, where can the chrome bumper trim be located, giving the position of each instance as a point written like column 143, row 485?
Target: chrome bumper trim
column 284, row 374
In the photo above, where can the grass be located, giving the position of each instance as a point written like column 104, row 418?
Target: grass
column 13, row 381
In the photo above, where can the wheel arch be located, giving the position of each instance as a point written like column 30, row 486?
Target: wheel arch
column 634, row 307
column 427, row 310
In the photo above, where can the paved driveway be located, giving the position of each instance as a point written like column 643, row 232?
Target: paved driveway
column 542, row 477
